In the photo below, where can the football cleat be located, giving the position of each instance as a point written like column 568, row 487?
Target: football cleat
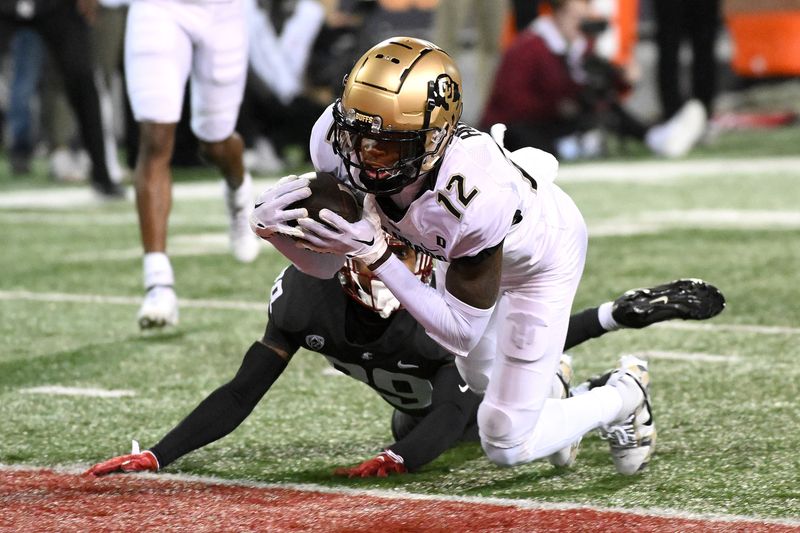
column 244, row 243
column 159, row 309
column 689, row 299
column 566, row 456
column 632, row 440
column 678, row 135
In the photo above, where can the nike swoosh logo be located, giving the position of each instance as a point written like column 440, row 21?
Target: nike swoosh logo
column 660, row 300
column 258, row 205
column 401, row 364
column 368, row 243
column 465, row 388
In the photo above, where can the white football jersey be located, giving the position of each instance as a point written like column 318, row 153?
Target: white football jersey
column 479, row 199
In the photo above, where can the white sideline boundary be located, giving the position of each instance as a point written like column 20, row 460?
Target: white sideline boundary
column 59, row 297
column 398, row 494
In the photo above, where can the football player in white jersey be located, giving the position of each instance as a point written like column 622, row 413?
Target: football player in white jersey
column 168, row 42
column 510, row 247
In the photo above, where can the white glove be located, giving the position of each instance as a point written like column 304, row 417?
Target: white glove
column 269, row 216
column 363, row 240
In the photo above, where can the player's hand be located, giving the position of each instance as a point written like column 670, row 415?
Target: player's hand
column 385, row 463
column 270, row 215
column 363, row 240
column 133, row 462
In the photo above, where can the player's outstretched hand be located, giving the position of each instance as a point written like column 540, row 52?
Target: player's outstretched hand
column 270, row 215
column 382, row 465
column 133, row 462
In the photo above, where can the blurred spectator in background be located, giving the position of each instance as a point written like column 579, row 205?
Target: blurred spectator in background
column 166, row 43
column 276, row 112
column 27, row 54
column 64, row 26
column 553, row 92
column 524, row 12
column 699, row 20
column 486, row 19
column 108, row 38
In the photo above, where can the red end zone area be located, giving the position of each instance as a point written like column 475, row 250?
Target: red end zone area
column 42, row 500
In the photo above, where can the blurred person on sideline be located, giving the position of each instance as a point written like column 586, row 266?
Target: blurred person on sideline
column 451, row 18
column 553, row 92
column 276, row 112
column 363, row 331
column 64, row 27
column 26, row 50
column 699, row 21
column 167, row 43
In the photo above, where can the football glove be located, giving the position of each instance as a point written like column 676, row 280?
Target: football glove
column 385, row 463
column 133, row 462
column 363, row 240
column 270, row 215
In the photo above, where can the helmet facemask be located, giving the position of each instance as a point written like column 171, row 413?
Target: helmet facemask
column 363, row 286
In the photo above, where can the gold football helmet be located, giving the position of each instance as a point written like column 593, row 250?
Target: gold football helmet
column 397, row 114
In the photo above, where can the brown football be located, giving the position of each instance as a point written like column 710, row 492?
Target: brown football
column 327, row 192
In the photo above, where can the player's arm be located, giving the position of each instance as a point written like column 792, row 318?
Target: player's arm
column 457, row 318
column 216, row 416
column 451, row 412
column 453, row 408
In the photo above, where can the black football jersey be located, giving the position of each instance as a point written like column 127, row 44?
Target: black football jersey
column 400, row 364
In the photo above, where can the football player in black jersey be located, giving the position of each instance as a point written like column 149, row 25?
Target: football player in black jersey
column 363, row 332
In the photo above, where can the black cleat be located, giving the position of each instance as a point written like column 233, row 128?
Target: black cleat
column 688, row 299
column 109, row 190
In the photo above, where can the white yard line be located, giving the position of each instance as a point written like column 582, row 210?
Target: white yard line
column 599, row 171
column 59, row 390
column 56, row 297
column 659, row 170
column 687, row 356
column 400, row 494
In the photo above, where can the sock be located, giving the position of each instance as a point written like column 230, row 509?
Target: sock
column 630, row 393
column 583, row 326
column 241, row 196
column 606, row 318
column 157, row 270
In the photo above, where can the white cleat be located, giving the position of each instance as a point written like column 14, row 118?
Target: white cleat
column 632, row 440
column 244, row 243
column 564, row 457
column 159, row 309
column 677, row 136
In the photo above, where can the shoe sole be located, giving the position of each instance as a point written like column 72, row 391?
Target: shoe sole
column 147, row 322
column 687, row 299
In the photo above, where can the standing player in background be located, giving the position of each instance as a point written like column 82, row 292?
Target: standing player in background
column 64, row 27
column 166, row 43
column 360, row 328
column 510, row 246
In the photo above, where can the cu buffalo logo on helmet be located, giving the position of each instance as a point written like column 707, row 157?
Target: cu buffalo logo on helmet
column 444, row 92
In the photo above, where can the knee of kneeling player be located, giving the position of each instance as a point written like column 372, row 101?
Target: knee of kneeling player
column 476, row 378
column 503, row 456
column 504, row 433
